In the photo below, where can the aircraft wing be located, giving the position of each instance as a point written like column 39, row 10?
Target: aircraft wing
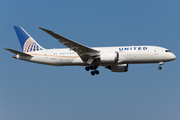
column 87, row 54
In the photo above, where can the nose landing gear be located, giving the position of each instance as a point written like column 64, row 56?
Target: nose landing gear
column 160, row 63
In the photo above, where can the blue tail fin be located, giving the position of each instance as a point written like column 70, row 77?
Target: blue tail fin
column 28, row 44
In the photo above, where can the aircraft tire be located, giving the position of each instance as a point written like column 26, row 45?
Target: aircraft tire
column 87, row 68
column 159, row 67
column 97, row 72
column 93, row 73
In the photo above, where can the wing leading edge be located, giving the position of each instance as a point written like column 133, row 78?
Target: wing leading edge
column 86, row 54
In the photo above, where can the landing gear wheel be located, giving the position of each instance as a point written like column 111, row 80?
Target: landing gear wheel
column 97, row 72
column 93, row 68
column 159, row 67
column 93, row 73
column 87, row 68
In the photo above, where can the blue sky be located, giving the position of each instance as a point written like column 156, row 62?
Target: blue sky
column 40, row 92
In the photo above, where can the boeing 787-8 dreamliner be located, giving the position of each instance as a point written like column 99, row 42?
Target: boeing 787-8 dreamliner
column 114, row 58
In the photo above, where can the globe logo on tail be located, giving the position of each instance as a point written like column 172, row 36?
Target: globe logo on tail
column 31, row 45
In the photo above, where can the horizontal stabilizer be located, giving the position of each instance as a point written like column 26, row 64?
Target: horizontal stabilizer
column 17, row 52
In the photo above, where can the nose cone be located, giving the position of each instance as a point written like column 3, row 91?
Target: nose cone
column 173, row 57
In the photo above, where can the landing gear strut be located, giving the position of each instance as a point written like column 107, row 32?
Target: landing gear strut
column 93, row 68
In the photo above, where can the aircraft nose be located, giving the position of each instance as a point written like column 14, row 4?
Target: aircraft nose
column 173, row 57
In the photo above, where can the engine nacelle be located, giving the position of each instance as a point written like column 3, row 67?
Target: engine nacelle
column 118, row 68
column 109, row 57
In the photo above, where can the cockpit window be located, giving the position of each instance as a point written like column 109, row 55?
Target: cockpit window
column 167, row 51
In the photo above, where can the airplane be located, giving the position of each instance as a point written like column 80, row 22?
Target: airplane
column 114, row 58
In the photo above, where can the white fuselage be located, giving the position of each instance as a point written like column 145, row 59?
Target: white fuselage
column 115, row 59
column 126, row 55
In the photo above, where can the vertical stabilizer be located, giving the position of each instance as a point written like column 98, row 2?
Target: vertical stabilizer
column 28, row 44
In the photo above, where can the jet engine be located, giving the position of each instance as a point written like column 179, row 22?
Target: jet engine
column 118, row 68
column 109, row 57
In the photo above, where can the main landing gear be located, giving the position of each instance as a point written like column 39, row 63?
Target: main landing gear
column 93, row 68
column 160, row 63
